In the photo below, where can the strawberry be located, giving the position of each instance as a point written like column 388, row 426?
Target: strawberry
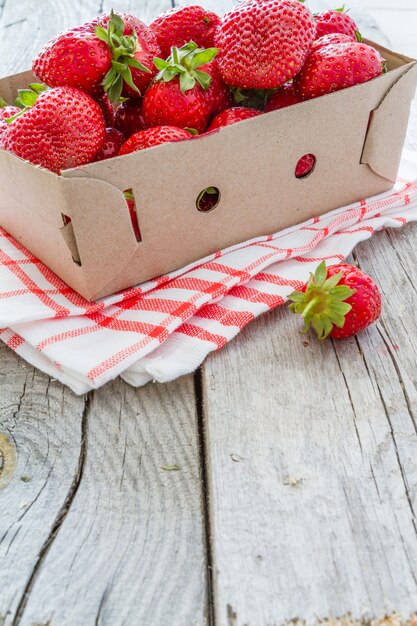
column 178, row 96
column 5, row 113
column 75, row 58
column 111, row 146
column 110, row 51
column 333, row 38
column 232, row 116
column 305, row 165
column 106, row 108
column 145, row 48
column 282, row 98
column 153, row 137
column 339, row 301
column 336, row 67
column 128, row 118
column 63, row 128
column 336, row 21
column 218, row 93
column 264, row 43
column 180, row 25
column 130, row 201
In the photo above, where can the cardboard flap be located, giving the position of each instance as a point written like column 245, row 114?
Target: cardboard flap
column 101, row 229
column 388, row 126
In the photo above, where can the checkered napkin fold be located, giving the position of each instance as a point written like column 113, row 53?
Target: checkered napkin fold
column 165, row 328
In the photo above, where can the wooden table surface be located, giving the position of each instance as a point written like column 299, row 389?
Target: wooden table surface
column 295, row 493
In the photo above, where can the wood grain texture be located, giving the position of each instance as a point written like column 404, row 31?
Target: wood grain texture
column 132, row 544
column 92, row 529
column 40, row 436
column 311, row 450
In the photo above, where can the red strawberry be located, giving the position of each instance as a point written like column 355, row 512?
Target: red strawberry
column 75, row 58
column 145, row 49
column 112, row 143
column 264, row 43
column 331, row 39
column 218, row 93
column 5, row 113
column 92, row 55
column 130, row 201
column 180, row 25
column 232, row 116
column 336, row 67
column 282, row 98
column 339, row 301
column 305, row 165
column 129, row 118
column 336, row 21
column 64, row 128
column 153, row 137
column 178, row 96
column 106, row 108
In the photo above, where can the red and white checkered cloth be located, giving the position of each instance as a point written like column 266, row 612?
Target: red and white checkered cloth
column 165, row 328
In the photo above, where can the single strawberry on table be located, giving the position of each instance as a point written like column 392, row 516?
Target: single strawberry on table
column 338, row 301
column 264, row 43
column 336, row 67
column 179, row 94
column 180, row 25
column 335, row 21
column 59, row 128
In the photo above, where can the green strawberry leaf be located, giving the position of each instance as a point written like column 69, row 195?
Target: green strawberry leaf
column 136, row 64
column 160, row 64
column 203, row 57
column 119, row 67
column 38, row 87
column 27, row 97
column 3, row 103
column 186, row 82
column 101, row 34
column 202, row 78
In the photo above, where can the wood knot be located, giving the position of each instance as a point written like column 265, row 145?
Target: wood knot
column 8, row 460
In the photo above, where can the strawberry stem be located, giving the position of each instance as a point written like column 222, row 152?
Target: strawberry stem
column 183, row 63
column 322, row 304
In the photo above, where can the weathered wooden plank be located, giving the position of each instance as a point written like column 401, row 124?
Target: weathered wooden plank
column 131, row 548
column 96, row 532
column 310, row 461
column 313, row 479
column 40, row 442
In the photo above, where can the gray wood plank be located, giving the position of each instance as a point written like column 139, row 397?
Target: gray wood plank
column 40, row 444
column 94, row 530
column 131, row 548
column 310, row 457
column 313, row 480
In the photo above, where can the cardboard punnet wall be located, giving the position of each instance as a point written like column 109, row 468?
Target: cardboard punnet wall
column 356, row 135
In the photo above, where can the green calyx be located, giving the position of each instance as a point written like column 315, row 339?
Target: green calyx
column 252, row 98
column 3, row 103
column 122, row 48
column 26, row 98
column 322, row 305
column 183, row 63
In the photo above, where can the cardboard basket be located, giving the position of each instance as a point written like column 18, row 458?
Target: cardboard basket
column 356, row 135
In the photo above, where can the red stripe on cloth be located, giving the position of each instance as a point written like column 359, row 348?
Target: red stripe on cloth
column 279, row 280
column 33, row 288
column 301, row 259
column 349, row 231
column 201, row 333
column 114, row 323
column 196, row 284
column 226, row 269
column 253, row 295
column 15, row 341
column 173, row 307
column 402, row 220
column 225, row 316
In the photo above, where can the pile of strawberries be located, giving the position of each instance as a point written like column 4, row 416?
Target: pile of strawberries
column 115, row 85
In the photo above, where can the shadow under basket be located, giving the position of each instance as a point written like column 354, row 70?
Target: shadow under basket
column 354, row 138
